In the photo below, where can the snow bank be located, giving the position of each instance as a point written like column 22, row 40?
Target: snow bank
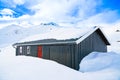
column 96, row 61
column 8, row 51
column 29, row 68
column 101, row 66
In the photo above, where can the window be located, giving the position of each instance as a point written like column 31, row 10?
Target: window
column 28, row 49
column 20, row 49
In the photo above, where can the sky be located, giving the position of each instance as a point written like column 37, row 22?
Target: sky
column 34, row 11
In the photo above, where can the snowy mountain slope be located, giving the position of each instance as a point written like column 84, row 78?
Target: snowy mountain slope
column 10, row 34
column 14, row 33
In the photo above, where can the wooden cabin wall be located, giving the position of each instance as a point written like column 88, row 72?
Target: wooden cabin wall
column 18, row 51
column 33, row 51
column 99, row 44
column 63, row 54
column 92, row 43
column 24, row 50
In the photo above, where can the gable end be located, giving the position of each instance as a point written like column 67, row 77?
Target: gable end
column 103, row 36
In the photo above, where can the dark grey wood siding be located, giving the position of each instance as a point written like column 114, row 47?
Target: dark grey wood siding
column 63, row 54
column 18, row 50
column 24, row 50
column 99, row 44
column 33, row 51
column 92, row 43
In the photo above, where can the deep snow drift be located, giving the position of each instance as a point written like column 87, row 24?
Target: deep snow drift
column 95, row 66
column 96, row 61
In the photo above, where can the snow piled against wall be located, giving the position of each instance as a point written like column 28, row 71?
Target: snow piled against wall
column 101, row 66
column 96, row 61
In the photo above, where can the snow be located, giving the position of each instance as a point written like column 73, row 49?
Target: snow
column 60, row 34
column 95, row 66
column 8, row 51
column 14, row 33
column 96, row 61
column 30, row 68
column 104, row 66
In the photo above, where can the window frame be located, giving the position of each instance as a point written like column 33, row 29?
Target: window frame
column 20, row 49
column 28, row 50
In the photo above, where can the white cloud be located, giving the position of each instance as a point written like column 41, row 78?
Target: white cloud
column 51, row 9
column 14, row 3
column 59, row 10
column 7, row 12
column 87, row 7
column 106, row 17
column 64, row 9
column 7, row 17
column 9, row 3
column 19, row 2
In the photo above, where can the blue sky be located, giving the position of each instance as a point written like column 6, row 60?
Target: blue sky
column 59, row 10
column 112, row 4
column 21, row 9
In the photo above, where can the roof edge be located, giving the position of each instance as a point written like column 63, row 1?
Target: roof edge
column 52, row 43
column 70, row 42
column 90, row 32
column 108, row 41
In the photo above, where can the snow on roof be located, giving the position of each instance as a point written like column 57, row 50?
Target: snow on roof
column 93, row 30
column 59, row 34
column 62, row 35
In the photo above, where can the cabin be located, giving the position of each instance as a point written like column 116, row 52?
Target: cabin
column 68, row 52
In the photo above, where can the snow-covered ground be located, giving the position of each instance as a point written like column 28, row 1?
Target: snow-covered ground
column 95, row 66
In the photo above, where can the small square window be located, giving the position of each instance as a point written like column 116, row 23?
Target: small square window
column 28, row 49
column 20, row 49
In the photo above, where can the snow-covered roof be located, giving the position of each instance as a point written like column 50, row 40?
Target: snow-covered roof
column 63, row 36
column 93, row 30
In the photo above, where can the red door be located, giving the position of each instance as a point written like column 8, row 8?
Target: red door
column 40, row 51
